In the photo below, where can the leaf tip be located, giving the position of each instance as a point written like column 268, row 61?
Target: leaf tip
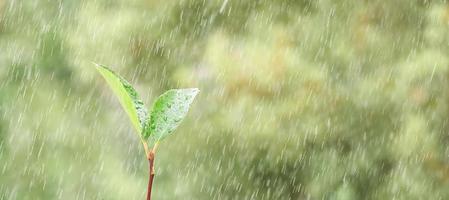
column 98, row 66
column 95, row 64
column 195, row 90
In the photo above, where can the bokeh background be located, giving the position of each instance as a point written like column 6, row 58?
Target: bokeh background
column 300, row 99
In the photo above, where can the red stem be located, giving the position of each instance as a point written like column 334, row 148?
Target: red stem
column 151, row 170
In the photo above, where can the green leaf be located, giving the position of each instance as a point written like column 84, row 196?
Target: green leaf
column 168, row 112
column 128, row 97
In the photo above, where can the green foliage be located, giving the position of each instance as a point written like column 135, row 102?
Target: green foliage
column 128, row 98
column 168, row 111
column 305, row 99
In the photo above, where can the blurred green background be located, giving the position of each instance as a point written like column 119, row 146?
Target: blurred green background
column 305, row 99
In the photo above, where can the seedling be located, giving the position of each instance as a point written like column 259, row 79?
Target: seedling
column 168, row 111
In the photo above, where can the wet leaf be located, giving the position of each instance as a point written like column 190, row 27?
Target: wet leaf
column 168, row 112
column 127, row 96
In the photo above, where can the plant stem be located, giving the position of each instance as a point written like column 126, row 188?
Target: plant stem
column 151, row 170
column 150, row 155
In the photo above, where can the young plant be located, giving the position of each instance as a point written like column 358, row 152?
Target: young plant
column 168, row 111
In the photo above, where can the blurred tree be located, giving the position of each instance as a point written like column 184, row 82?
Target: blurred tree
column 301, row 99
